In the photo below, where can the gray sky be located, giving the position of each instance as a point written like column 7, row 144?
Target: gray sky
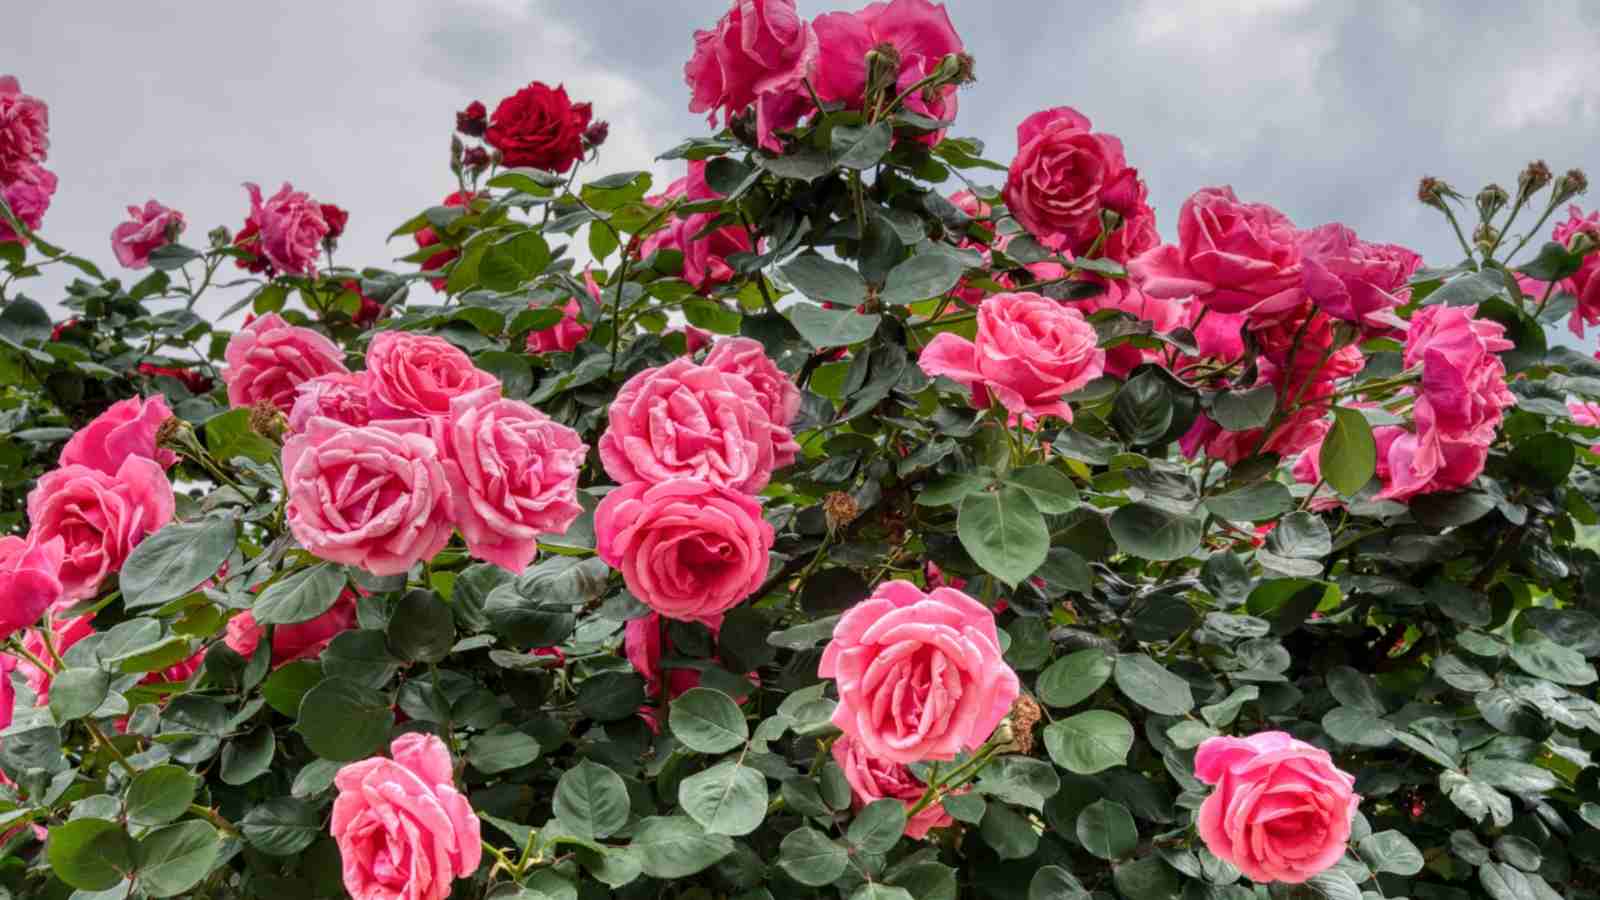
column 1330, row 110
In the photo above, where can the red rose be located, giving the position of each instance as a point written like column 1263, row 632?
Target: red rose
column 336, row 218
column 472, row 120
column 189, row 378
column 539, row 126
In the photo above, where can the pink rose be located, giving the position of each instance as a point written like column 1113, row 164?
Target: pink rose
column 427, row 237
column 1587, row 414
column 1281, row 810
column 99, row 517
column 747, row 358
column 375, row 497
column 268, row 358
column 872, row 779
column 403, row 830
column 290, row 226
column 758, row 53
column 24, row 129
column 643, row 643
column 30, row 580
column 694, row 339
column 705, row 256
column 1029, row 352
column 1064, row 175
column 920, row 676
column 1583, row 284
column 28, row 195
column 67, row 633
column 513, row 475
column 1234, row 257
column 148, row 228
column 8, row 697
column 418, row 375
column 341, row 396
column 683, row 420
column 918, row 30
column 128, row 428
column 1353, row 280
column 563, row 336
column 687, row 549
column 301, row 640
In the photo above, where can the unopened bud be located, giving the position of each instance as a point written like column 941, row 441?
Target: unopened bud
column 1110, row 219
column 1491, row 200
column 1569, row 185
column 1584, row 240
column 883, row 69
column 268, row 421
column 220, row 237
column 1533, row 179
column 475, row 158
column 596, row 134
column 1485, row 237
column 473, row 121
column 966, row 68
column 840, row 509
column 456, row 150
column 175, row 434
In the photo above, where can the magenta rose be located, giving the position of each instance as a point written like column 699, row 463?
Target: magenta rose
column 24, row 129
column 8, row 695
column 773, row 388
column 705, row 254
column 374, row 497
column 687, row 549
column 758, row 53
column 1064, row 174
column 269, row 358
column 67, row 633
column 404, row 831
column 148, row 229
column 127, row 429
column 341, row 396
column 920, row 676
column 873, row 779
column 100, row 517
column 29, row 198
column 513, row 475
column 1235, row 257
column 1583, row 284
column 919, row 31
column 1353, row 280
column 1281, row 810
column 30, row 580
column 291, row 227
column 1029, row 352
column 562, row 337
column 301, row 640
column 683, row 420
column 418, row 375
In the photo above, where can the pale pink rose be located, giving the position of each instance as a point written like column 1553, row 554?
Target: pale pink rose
column 747, row 358
column 99, row 517
column 404, row 831
column 30, row 580
column 687, row 549
column 127, row 428
column 1281, row 810
column 872, row 779
column 148, row 229
column 1353, row 280
column 1583, row 284
column 67, row 633
column 28, row 195
column 1064, row 174
column 301, row 640
column 1029, row 352
column 1233, row 257
column 918, row 30
column 341, row 396
column 418, row 375
column 513, row 475
column 758, row 53
column 705, row 258
column 683, row 420
column 375, row 497
column 920, row 676
column 1587, row 414
column 24, row 129
column 291, row 227
column 268, row 358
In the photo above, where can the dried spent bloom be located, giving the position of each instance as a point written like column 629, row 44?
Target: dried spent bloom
column 840, row 509
column 1532, row 180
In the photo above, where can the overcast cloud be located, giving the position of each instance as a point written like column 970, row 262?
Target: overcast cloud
column 1329, row 110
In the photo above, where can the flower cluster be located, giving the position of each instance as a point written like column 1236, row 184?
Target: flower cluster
column 25, row 184
column 284, row 234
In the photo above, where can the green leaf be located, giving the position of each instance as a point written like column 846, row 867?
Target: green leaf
column 1469, row 289
column 247, row 758
column 90, row 854
column 536, row 182
column 229, row 435
column 513, row 261
column 159, row 795
column 824, row 280
column 1244, row 410
column 344, row 720
column 1142, row 411
column 1148, row 878
column 707, row 721
column 501, row 749
column 1391, row 852
column 281, row 826
column 920, row 278
column 809, row 857
column 174, row 858
column 951, row 489
column 77, row 692
column 1147, row 531
column 677, row 847
column 832, row 327
column 1106, row 829
column 878, row 826
column 726, row 799
column 1533, row 653
column 1089, row 742
column 1021, row 780
column 1349, row 455
column 1055, row 883
column 1007, row 833
column 1553, row 263
column 1301, row 535
column 285, row 688
column 1003, row 532
column 592, row 800
column 611, row 696
column 1074, row 678
column 1254, row 503
column 174, row 561
column 1147, row 683
column 860, row 146
column 1051, row 491
column 300, row 596
column 1544, row 459
column 536, row 609
column 421, row 628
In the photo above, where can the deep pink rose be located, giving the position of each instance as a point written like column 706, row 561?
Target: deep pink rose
column 301, row 640
column 1353, row 280
column 24, row 129
column 705, row 257
column 1583, row 284
column 375, row 497
column 67, row 633
column 1064, row 174
column 683, row 420
column 418, row 375
column 920, row 676
column 342, row 396
column 1281, row 810
column 28, row 195
column 128, row 428
column 758, row 53
column 747, row 358
column 920, row 31
column 513, row 475
column 1234, row 257
column 100, row 517
column 687, row 549
column 8, row 697
column 563, row 336
column 268, row 358
column 694, row 339
column 872, row 779
column 403, row 830
column 427, row 237
column 148, row 229
column 290, row 229
column 644, row 644
column 1029, row 352
column 30, row 580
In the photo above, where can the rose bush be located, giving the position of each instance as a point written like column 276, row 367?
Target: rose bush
column 855, row 516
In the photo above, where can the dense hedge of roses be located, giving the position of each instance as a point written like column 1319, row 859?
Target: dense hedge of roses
column 828, row 523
